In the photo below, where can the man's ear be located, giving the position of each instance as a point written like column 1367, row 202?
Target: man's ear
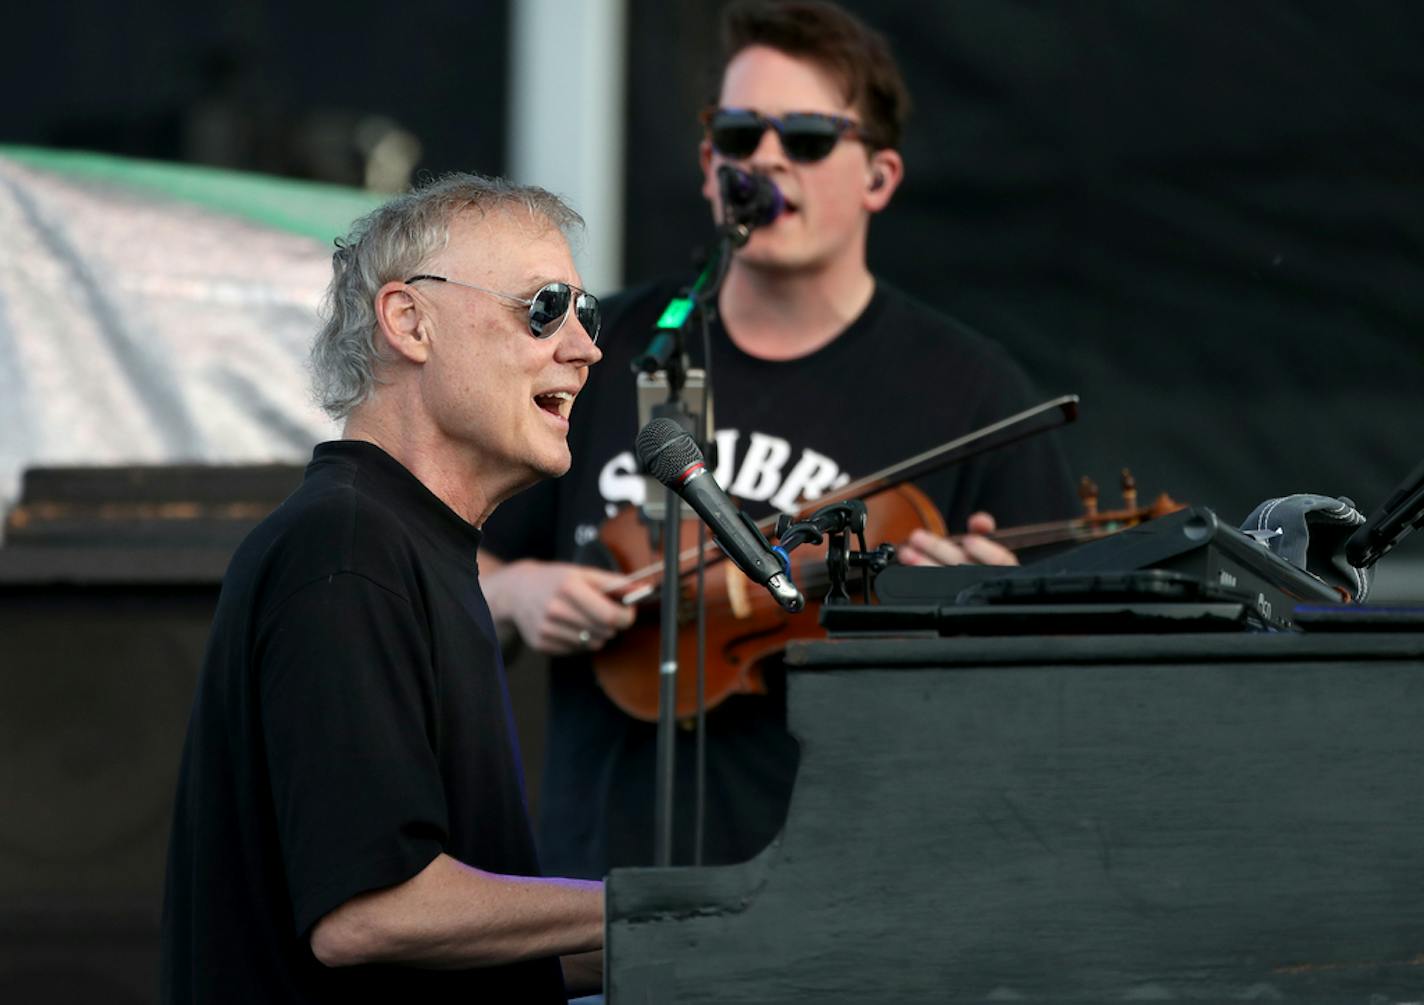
column 883, row 176
column 403, row 323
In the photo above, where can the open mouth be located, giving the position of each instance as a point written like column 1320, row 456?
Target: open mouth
column 557, row 403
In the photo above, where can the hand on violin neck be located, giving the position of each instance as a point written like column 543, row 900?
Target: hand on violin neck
column 558, row 608
column 973, row 548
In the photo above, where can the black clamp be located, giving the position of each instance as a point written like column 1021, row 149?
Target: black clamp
column 837, row 522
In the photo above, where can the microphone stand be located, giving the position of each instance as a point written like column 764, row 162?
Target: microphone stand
column 668, row 352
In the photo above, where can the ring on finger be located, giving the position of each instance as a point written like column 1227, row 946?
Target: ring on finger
column 584, row 637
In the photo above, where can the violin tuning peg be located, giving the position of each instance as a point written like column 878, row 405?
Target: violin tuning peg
column 1088, row 492
column 1129, row 489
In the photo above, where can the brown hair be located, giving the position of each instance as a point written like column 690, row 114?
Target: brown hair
column 854, row 54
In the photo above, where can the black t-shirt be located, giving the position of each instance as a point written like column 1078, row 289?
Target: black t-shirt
column 351, row 722
column 899, row 380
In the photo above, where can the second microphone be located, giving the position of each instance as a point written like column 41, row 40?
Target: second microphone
column 667, row 453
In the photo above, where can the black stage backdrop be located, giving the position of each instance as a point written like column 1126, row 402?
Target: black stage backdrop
column 298, row 89
column 1205, row 218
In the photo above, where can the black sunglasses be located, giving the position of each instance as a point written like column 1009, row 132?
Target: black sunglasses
column 547, row 308
column 805, row 136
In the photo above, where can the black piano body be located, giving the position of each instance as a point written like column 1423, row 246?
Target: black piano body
column 1205, row 817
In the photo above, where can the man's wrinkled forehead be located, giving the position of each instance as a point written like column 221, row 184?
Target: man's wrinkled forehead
column 513, row 219
column 490, row 234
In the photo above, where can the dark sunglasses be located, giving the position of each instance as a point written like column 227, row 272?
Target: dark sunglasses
column 805, row 136
column 547, row 308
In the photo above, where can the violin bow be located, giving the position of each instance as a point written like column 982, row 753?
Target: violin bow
column 1030, row 422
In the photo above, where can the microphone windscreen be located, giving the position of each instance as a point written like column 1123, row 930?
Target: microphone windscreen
column 665, row 450
column 749, row 199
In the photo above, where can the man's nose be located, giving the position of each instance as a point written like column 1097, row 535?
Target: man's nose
column 576, row 345
column 769, row 151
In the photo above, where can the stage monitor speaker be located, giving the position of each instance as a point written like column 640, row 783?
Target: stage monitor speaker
column 95, row 688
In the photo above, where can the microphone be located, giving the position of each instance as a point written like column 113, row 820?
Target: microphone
column 749, row 201
column 666, row 451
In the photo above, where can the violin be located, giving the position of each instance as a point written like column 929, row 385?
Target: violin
column 744, row 624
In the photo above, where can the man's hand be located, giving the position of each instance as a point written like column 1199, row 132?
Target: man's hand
column 925, row 548
column 557, row 607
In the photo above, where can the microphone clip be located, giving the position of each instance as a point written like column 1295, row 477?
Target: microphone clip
column 836, row 522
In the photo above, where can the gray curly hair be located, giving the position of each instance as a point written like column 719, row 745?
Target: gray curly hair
column 392, row 243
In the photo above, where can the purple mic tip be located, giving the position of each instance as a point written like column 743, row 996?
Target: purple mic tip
column 748, row 200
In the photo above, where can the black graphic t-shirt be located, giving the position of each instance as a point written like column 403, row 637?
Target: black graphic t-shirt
column 901, row 379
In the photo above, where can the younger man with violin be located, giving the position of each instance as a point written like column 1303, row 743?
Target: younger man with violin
column 822, row 374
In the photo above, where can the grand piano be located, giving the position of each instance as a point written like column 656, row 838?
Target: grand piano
column 1150, row 817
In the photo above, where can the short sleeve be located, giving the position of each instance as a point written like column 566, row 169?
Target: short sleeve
column 1026, row 482
column 348, row 712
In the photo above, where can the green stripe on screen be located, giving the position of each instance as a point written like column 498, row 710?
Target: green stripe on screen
column 313, row 209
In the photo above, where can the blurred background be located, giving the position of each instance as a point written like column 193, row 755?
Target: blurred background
column 1207, row 219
